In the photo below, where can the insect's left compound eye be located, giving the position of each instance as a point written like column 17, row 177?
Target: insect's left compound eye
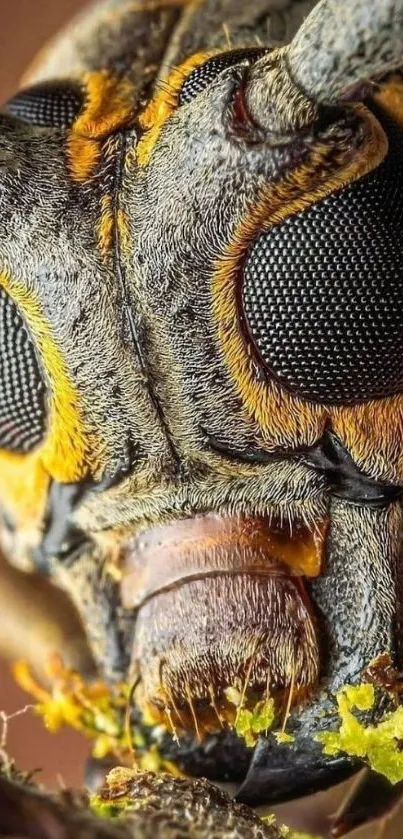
column 54, row 104
column 322, row 291
column 22, row 385
column 201, row 77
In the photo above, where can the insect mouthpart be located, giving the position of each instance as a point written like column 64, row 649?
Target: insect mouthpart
column 224, row 622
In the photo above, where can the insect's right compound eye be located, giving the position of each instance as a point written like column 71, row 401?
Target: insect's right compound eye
column 201, row 77
column 54, row 104
column 322, row 291
column 22, row 385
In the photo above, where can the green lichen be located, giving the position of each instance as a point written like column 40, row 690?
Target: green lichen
column 249, row 724
column 233, row 695
column 108, row 809
column 114, row 800
column 97, row 710
column 284, row 737
column 379, row 745
column 270, row 819
column 284, row 831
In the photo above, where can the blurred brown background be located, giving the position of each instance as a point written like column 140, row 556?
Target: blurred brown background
column 24, row 27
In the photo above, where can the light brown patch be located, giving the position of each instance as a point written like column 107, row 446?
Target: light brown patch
column 373, row 435
column 390, row 98
column 284, row 419
column 166, row 556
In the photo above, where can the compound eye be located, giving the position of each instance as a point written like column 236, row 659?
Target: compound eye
column 201, row 77
column 22, row 385
column 48, row 105
column 322, row 291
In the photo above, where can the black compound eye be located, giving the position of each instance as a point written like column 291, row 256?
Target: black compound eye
column 49, row 105
column 322, row 292
column 22, row 386
column 202, row 76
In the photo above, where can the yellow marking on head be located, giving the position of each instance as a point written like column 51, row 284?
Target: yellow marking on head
column 164, row 103
column 67, row 452
column 283, row 418
column 24, row 487
column 124, row 233
column 105, row 227
column 83, row 156
column 109, row 107
column 373, row 435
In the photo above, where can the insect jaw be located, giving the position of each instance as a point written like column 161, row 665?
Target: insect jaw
column 223, row 618
column 183, row 685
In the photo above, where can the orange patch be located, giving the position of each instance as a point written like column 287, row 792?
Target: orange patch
column 105, row 227
column 160, row 108
column 109, row 107
column 390, row 98
column 373, row 434
column 124, row 232
column 284, row 419
column 83, row 157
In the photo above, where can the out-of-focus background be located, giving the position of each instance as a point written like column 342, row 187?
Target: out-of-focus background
column 25, row 25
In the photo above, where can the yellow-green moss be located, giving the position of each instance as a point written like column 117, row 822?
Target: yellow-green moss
column 108, row 809
column 287, row 832
column 96, row 710
column 116, row 800
column 379, row 745
column 284, row 737
column 249, row 724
